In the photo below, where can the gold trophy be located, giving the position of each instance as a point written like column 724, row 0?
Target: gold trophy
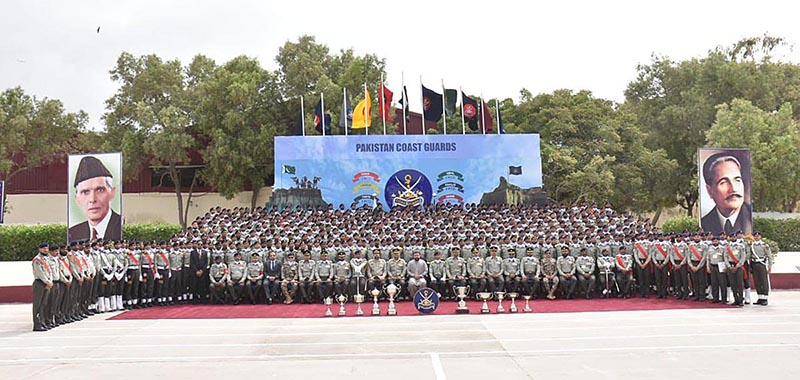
column 485, row 296
column 527, row 308
column 500, row 308
column 391, row 291
column 376, row 310
column 359, row 298
column 342, row 299
column 328, row 302
column 513, row 307
column 461, row 292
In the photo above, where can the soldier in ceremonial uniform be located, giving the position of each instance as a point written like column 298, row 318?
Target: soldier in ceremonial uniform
column 255, row 277
column 396, row 273
column 323, row 276
column 65, row 306
column 236, row 278
column 566, row 273
column 455, row 269
column 342, row 273
column 625, row 267
column 106, row 280
column 376, row 270
column 42, row 284
column 57, row 291
column 176, row 280
column 147, row 283
column 660, row 253
column 549, row 274
column 511, row 272
column 218, row 276
column 272, row 276
column 760, row 256
column 76, row 266
column 605, row 266
column 162, row 274
column 133, row 272
column 477, row 272
column 719, row 280
column 416, row 269
column 289, row 276
column 736, row 257
column 531, row 272
column 585, row 266
column 696, row 262
column 305, row 274
column 438, row 274
column 642, row 258
column 494, row 271
column 678, row 257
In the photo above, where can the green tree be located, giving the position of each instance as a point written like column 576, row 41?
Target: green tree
column 36, row 132
column 150, row 117
column 239, row 113
column 675, row 102
column 773, row 138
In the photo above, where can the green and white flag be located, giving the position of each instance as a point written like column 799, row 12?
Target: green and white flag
column 288, row 169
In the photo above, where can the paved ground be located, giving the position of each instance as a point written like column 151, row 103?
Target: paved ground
column 753, row 342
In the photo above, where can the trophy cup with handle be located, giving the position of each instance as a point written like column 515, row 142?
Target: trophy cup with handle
column 376, row 310
column 527, row 308
column 500, row 308
column 461, row 292
column 391, row 291
column 328, row 302
column 359, row 298
column 485, row 296
column 342, row 299
column 513, row 307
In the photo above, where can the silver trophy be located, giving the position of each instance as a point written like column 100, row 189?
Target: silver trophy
column 485, row 296
column 513, row 307
column 376, row 310
column 461, row 292
column 391, row 291
column 328, row 302
column 359, row 298
column 527, row 308
column 500, row 308
column 342, row 299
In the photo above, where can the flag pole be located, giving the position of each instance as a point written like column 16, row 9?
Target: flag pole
column 383, row 105
column 463, row 126
column 366, row 109
column 444, row 113
column 344, row 108
column 302, row 115
column 483, row 125
column 422, row 99
column 497, row 108
column 322, row 106
column 405, row 100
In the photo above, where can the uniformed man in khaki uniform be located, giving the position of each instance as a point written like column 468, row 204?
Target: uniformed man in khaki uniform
column 477, row 272
column 760, row 256
column 342, row 273
column 236, row 278
column 511, row 271
column 624, row 264
column 376, row 270
column 305, row 274
column 42, row 284
column 696, row 262
column 494, row 271
column 455, row 269
column 255, row 276
column 531, row 272
column 396, row 273
column 438, row 274
column 289, row 276
column 323, row 276
column 549, row 274
column 218, row 275
column 585, row 266
column 566, row 273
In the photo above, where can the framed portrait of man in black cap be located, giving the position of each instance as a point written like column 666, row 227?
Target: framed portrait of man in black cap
column 95, row 197
column 724, row 179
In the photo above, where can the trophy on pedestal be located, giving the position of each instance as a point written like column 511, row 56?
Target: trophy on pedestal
column 485, row 296
column 500, row 296
column 527, row 308
column 461, row 292
column 513, row 307
column 328, row 302
column 342, row 299
column 391, row 291
column 376, row 310
column 359, row 298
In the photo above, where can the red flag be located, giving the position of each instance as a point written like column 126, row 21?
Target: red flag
column 486, row 118
column 385, row 103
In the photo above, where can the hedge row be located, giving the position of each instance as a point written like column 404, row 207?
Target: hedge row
column 20, row 242
column 784, row 232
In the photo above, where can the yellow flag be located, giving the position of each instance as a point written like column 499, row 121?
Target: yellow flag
column 362, row 114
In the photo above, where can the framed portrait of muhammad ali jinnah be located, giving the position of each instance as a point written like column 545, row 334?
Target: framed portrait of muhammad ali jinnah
column 725, row 202
column 94, row 201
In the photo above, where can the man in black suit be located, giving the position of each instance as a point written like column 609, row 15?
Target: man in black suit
column 272, row 276
column 94, row 191
column 198, row 267
column 723, row 177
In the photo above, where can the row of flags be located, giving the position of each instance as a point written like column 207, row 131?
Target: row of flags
column 474, row 114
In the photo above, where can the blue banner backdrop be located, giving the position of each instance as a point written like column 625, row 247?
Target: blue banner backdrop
column 407, row 170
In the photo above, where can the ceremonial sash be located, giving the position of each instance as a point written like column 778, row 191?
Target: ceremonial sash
column 150, row 261
column 621, row 263
column 80, row 266
column 164, row 257
column 731, row 255
column 662, row 251
column 65, row 262
column 83, row 260
column 642, row 251
column 695, row 253
column 132, row 257
column 677, row 252
column 44, row 263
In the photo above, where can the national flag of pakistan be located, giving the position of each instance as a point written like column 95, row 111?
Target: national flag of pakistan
column 288, row 169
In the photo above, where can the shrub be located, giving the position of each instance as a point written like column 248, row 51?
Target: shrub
column 680, row 224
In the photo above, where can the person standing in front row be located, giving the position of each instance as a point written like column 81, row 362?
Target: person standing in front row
column 42, row 284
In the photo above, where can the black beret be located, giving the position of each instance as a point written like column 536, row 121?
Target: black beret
column 44, row 245
column 90, row 167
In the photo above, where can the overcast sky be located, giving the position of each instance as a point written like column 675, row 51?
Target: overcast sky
column 51, row 48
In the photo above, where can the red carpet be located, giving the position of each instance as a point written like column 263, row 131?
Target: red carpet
column 403, row 308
